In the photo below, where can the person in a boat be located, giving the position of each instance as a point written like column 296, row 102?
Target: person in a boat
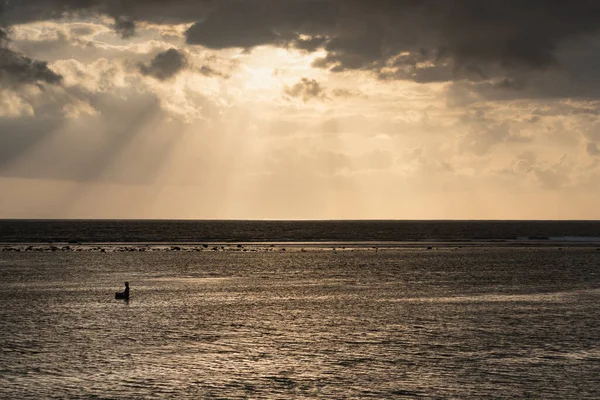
column 124, row 295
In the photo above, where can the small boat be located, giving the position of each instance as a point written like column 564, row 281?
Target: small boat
column 124, row 295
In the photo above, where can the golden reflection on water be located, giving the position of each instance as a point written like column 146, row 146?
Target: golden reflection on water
column 394, row 324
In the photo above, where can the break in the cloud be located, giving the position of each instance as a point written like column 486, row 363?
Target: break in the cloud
column 300, row 108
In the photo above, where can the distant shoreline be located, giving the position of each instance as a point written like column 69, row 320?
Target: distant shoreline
column 285, row 246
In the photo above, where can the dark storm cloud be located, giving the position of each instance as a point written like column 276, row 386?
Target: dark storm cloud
column 125, row 12
column 18, row 69
column 124, row 27
column 309, row 44
column 426, row 41
column 433, row 40
column 247, row 24
column 3, row 36
column 165, row 65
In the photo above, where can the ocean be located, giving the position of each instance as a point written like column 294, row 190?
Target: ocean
column 184, row 231
column 264, row 310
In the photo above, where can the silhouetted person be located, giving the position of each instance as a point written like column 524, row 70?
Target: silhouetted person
column 124, row 295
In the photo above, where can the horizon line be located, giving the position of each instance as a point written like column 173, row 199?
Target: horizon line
column 302, row 220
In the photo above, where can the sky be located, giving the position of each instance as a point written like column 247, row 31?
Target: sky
column 300, row 109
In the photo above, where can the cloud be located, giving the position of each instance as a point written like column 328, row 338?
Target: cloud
column 483, row 133
column 341, row 92
column 209, row 71
column 306, row 89
column 592, row 149
column 308, row 43
column 247, row 24
column 165, row 65
column 243, row 28
column 124, row 27
column 3, row 36
column 310, row 89
column 16, row 69
column 425, row 41
column 528, row 73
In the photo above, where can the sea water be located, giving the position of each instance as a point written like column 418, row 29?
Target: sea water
column 451, row 322
column 182, row 231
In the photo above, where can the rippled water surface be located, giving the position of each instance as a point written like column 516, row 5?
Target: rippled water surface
column 445, row 323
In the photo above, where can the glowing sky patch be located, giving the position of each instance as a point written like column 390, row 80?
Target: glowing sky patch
column 334, row 111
